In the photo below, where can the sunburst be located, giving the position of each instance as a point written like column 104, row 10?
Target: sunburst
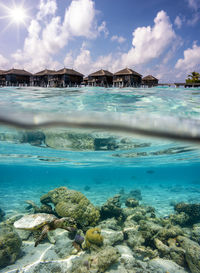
column 16, row 14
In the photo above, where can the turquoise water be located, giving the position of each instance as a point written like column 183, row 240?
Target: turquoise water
column 34, row 161
column 100, row 142
column 104, row 161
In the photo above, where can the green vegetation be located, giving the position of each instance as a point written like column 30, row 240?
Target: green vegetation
column 193, row 78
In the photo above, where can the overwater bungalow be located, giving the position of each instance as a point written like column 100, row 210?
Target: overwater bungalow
column 44, row 78
column 2, row 78
column 85, row 81
column 150, row 81
column 17, row 77
column 102, row 78
column 68, row 77
column 127, row 78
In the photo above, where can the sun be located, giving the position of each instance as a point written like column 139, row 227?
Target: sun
column 18, row 15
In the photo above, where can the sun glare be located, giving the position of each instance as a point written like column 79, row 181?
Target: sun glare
column 18, row 15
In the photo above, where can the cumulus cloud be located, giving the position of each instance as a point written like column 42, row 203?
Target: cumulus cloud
column 191, row 60
column 3, row 61
column 195, row 7
column 46, row 38
column 178, row 22
column 47, row 7
column 119, row 39
column 150, row 42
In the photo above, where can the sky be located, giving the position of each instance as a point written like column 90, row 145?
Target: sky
column 157, row 37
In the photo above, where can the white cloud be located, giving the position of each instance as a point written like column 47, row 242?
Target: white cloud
column 79, row 18
column 46, row 7
column 194, row 4
column 119, row 39
column 45, row 38
column 195, row 7
column 103, row 28
column 150, row 42
column 191, row 60
column 178, row 22
column 3, row 62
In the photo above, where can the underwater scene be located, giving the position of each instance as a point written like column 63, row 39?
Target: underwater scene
column 99, row 180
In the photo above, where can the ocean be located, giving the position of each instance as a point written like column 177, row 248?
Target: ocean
column 101, row 142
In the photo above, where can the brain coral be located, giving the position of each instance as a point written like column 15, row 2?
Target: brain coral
column 71, row 203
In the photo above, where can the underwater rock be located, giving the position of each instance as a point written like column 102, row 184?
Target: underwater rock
column 35, row 138
column 43, row 223
column 131, row 202
column 126, row 257
column 112, row 208
column 192, row 210
column 164, row 266
column 112, row 237
column 136, row 194
column 62, row 247
column 93, row 239
column 180, row 219
column 10, row 246
column 71, row 203
column 149, row 229
column 103, row 259
column 105, row 144
column 192, row 253
column 2, row 214
column 42, row 209
column 110, row 223
column 196, row 233
column 131, row 234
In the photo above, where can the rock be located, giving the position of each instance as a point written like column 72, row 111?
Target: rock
column 196, row 233
column 131, row 203
column 103, row 259
column 164, row 266
column 112, row 208
column 192, row 210
column 71, row 203
column 110, row 223
column 63, row 246
column 10, row 246
column 192, row 253
column 112, row 237
column 126, row 258
column 131, row 234
column 23, row 234
column 2, row 214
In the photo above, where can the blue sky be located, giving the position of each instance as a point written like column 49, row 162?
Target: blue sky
column 158, row 37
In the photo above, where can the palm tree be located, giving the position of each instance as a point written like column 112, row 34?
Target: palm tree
column 193, row 77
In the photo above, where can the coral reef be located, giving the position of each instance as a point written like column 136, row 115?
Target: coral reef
column 10, row 246
column 112, row 208
column 93, row 238
column 71, row 203
column 131, row 202
column 2, row 214
column 192, row 211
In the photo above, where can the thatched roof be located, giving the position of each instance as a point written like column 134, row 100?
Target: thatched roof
column 45, row 72
column 127, row 71
column 68, row 71
column 101, row 73
column 2, row 72
column 149, row 78
column 20, row 72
